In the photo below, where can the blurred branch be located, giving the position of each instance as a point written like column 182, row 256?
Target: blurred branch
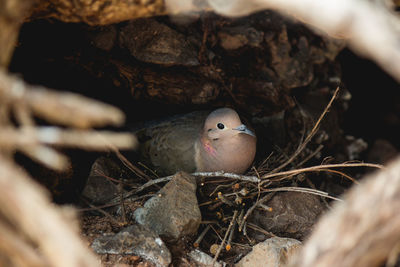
column 25, row 101
column 58, row 107
column 363, row 230
column 40, row 230
column 86, row 139
column 36, row 233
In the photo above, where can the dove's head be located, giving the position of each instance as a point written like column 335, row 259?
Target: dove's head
column 224, row 123
column 228, row 144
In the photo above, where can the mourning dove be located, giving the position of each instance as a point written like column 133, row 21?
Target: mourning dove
column 199, row 141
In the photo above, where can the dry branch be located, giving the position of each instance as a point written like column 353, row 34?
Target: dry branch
column 86, row 139
column 36, row 233
column 58, row 107
column 361, row 231
column 28, row 209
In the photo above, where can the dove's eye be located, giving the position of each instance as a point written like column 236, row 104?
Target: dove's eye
column 220, row 126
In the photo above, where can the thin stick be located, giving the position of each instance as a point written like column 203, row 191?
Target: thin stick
column 259, row 229
column 310, row 135
column 146, row 185
column 102, row 212
column 250, row 210
column 196, row 243
column 235, row 213
column 122, row 202
column 320, row 168
column 228, row 243
column 319, row 148
column 253, row 179
column 128, row 164
column 303, row 190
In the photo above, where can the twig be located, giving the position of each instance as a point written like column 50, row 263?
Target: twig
column 110, row 217
column 253, row 179
column 235, row 213
column 310, row 156
column 128, row 164
column 303, row 190
column 369, row 219
column 201, row 236
column 310, row 135
column 130, row 200
column 259, row 229
column 228, row 243
column 122, row 203
column 319, row 168
column 146, row 185
column 250, row 210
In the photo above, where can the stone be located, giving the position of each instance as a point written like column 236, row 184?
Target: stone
column 173, row 212
column 273, row 252
column 135, row 240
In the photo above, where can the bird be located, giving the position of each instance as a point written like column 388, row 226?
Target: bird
column 198, row 142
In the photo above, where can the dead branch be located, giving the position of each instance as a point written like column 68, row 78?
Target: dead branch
column 58, row 107
column 12, row 15
column 28, row 209
column 37, row 234
column 362, row 230
column 91, row 140
column 324, row 167
column 231, row 225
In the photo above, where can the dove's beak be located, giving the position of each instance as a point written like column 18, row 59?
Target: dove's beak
column 243, row 129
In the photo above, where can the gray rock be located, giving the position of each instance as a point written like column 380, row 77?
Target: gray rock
column 136, row 240
column 174, row 211
column 273, row 252
column 98, row 188
column 293, row 214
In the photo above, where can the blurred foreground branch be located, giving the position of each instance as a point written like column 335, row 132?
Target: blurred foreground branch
column 364, row 230
column 34, row 231
column 24, row 101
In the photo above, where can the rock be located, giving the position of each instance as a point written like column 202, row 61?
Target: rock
column 173, row 212
column 135, row 240
column 355, row 146
column 99, row 189
column 153, row 42
column 293, row 214
column 382, row 151
column 273, row 252
column 236, row 37
column 103, row 37
column 202, row 259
